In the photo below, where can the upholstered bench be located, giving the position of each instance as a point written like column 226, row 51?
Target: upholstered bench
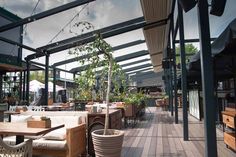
column 69, row 141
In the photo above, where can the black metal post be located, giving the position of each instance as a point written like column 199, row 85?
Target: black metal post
column 175, row 72
column 20, row 88
column 207, row 77
column 74, row 77
column 24, row 89
column 1, row 93
column 183, row 73
column 27, row 81
column 170, row 81
column 46, row 78
column 54, row 84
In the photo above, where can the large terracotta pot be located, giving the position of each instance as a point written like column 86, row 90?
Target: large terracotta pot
column 108, row 145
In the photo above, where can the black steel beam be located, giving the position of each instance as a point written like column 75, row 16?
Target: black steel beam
column 44, row 14
column 132, row 55
column 19, row 44
column 84, row 67
column 90, row 34
column 183, row 74
column 145, row 75
column 40, row 64
column 142, row 74
column 118, row 59
column 133, row 43
column 192, row 40
column 207, row 80
column 89, row 37
column 138, row 71
column 69, row 43
column 137, row 67
column 135, row 62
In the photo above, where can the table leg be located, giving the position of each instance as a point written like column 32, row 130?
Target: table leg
column 9, row 118
column 19, row 139
column 1, row 116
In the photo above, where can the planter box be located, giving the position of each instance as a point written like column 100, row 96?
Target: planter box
column 130, row 110
column 39, row 123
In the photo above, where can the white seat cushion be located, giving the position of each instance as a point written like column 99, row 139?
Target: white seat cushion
column 59, row 134
column 20, row 118
column 49, row 144
column 40, row 143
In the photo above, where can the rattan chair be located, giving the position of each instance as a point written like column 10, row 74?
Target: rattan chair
column 23, row 149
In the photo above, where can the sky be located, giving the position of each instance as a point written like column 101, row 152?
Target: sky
column 101, row 13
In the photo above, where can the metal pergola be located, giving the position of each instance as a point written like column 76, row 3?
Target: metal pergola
column 170, row 40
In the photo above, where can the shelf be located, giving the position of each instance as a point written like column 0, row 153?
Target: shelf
column 229, row 139
column 229, row 120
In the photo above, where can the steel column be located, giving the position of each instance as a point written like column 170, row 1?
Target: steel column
column 46, row 79
column 20, row 88
column 207, row 77
column 175, row 73
column 1, row 93
column 27, row 81
column 171, row 81
column 54, row 84
column 24, row 77
column 183, row 73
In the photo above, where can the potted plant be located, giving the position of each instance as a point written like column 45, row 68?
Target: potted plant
column 107, row 142
column 134, row 104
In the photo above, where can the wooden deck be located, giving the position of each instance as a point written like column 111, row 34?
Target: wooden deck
column 158, row 136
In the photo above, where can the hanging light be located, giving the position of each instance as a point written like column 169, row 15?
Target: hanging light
column 14, row 78
column 5, row 78
column 217, row 7
column 187, row 4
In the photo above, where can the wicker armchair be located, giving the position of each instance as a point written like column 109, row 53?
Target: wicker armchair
column 23, row 149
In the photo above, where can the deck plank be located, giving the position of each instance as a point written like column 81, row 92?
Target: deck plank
column 158, row 136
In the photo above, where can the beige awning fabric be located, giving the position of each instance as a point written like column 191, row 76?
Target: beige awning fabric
column 156, row 37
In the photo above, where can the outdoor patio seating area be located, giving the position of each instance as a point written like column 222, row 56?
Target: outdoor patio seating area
column 108, row 78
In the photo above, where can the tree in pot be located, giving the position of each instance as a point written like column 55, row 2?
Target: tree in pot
column 107, row 142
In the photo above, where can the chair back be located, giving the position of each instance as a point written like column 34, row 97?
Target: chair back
column 23, row 149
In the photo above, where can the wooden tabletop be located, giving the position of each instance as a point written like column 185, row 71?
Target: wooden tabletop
column 8, row 128
column 229, row 113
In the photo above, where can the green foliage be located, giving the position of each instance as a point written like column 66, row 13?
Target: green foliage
column 190, row 50
column 97, row 67
column 37, row 75
column 135, row 98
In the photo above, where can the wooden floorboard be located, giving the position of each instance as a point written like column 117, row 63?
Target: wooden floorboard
column 158, row 136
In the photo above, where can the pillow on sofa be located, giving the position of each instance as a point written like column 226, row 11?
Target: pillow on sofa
column 59, row 134
column 20, row 118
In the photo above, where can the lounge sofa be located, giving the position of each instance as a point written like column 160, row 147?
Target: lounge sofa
column 69, row 141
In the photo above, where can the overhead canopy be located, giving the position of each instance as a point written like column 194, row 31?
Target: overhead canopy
column 156, row 37
column 223, row 50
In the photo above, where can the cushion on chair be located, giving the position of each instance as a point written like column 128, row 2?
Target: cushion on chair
column 49, row 144
column 59, row 134
column 20, row 118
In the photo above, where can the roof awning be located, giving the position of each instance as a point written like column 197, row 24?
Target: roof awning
column 156, row 37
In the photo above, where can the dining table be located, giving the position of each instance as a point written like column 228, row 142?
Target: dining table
column 20, row 130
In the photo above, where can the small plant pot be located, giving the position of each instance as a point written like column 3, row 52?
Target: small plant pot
column 108, row 145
